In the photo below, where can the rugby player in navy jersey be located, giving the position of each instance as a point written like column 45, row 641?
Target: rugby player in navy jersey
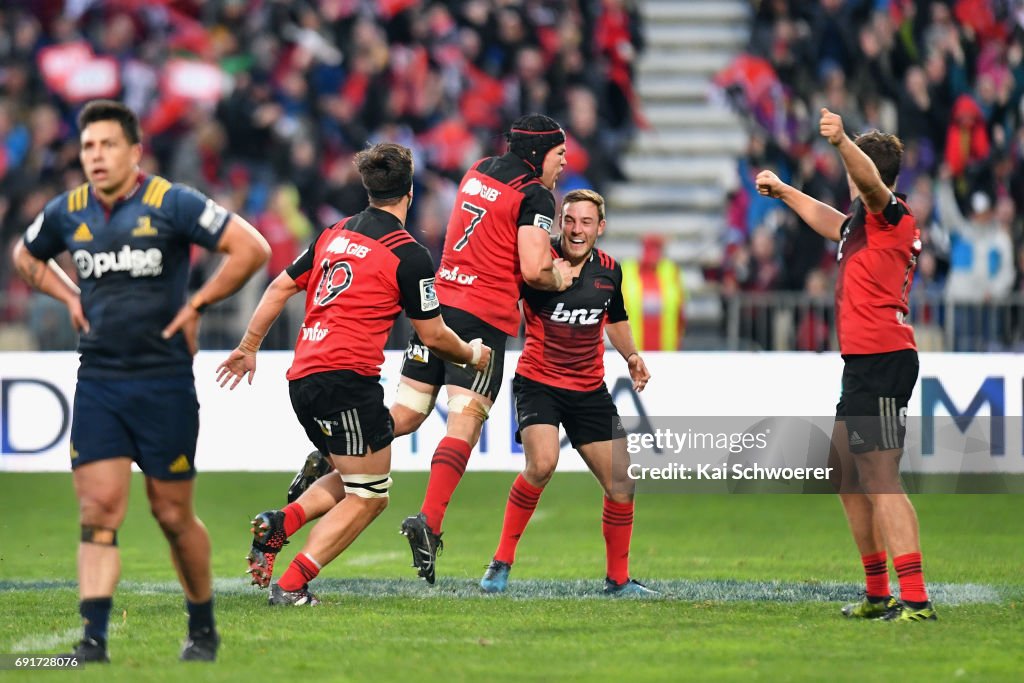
column 560, row 381
column 878, row 246
column 130, row 235
column 357, row 276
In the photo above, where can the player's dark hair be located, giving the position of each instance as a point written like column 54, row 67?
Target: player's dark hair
column 885, row 150
column 109, row 110
column 586, row 196
column 532, row 136
column 386, row 170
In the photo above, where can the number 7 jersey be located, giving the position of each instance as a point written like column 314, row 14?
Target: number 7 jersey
column 359, row 275
column 479, row 271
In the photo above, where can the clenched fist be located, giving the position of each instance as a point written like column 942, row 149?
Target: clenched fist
column 769, row 185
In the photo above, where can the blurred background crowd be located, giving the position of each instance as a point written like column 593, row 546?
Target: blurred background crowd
column 262, row 103
column 948, row 77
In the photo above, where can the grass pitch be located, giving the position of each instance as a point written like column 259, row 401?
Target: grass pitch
column 751, row 586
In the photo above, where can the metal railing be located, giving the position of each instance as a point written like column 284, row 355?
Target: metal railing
column 784, row 321
column 773, row 321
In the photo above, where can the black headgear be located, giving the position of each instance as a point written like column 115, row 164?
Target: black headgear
column 391, row 192
column 532, row 137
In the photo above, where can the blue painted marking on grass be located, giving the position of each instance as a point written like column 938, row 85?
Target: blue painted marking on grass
column 684, row 590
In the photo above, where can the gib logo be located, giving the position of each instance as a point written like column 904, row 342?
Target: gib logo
column 34, row 416
column 992, row 394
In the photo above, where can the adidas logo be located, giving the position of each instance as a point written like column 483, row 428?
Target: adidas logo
column 179, row 465
column 855, row 439
column 82, row 233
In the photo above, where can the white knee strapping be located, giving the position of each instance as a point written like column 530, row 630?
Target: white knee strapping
column 464, row 403
column 368, row 485
column 420, row 401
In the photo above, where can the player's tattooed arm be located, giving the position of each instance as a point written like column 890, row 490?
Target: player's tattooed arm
column 50, row 279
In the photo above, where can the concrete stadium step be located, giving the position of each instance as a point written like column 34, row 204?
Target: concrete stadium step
column 665, row 116
column 681, row 224
column 645, row 167
column 647, row 196
column 690, row 141
column 695, row 11
column 685, row 62
column 674, row 88
column 678, row 35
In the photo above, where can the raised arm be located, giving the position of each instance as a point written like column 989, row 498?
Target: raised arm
column 873, row 191
column 823, row 219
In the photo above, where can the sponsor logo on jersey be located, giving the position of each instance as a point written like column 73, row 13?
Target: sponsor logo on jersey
column 82, row 233
column 576, row 316
column 136, row 262
column 315, row 333
column 453, row 275
column 543, row 222
column 343, row 245
column 144, row 228
column 474, row 188
column 428, row 296
column 601, row 284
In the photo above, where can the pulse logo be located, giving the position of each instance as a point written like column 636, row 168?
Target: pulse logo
column 136, row 262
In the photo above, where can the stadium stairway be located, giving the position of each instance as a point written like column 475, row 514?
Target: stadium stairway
column 680, row 171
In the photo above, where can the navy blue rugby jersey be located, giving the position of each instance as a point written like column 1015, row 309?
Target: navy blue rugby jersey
column 133, row 264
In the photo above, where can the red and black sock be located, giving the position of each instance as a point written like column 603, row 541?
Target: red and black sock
column 301, row 571
column 522, row 501
column 876, row 573
column 446, row 470
column 908, row 568
column 617, row 525
column 294, row 518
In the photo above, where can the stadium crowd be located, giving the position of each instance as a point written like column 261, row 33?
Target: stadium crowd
column 262, row 104
column 948, row 77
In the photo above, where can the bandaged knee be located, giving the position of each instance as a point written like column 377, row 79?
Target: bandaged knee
column 414, row 399
column 99, row 535
column 367, row 485
column 468, row 405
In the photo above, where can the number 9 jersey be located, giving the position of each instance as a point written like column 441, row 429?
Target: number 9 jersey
column 359, row 275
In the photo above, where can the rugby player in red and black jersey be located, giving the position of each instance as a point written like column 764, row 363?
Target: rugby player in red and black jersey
column 357, row 276
column 878, row 246
column 498, row 238
column 560, row 380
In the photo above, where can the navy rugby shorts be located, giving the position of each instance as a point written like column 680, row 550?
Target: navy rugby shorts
column 153, row 421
